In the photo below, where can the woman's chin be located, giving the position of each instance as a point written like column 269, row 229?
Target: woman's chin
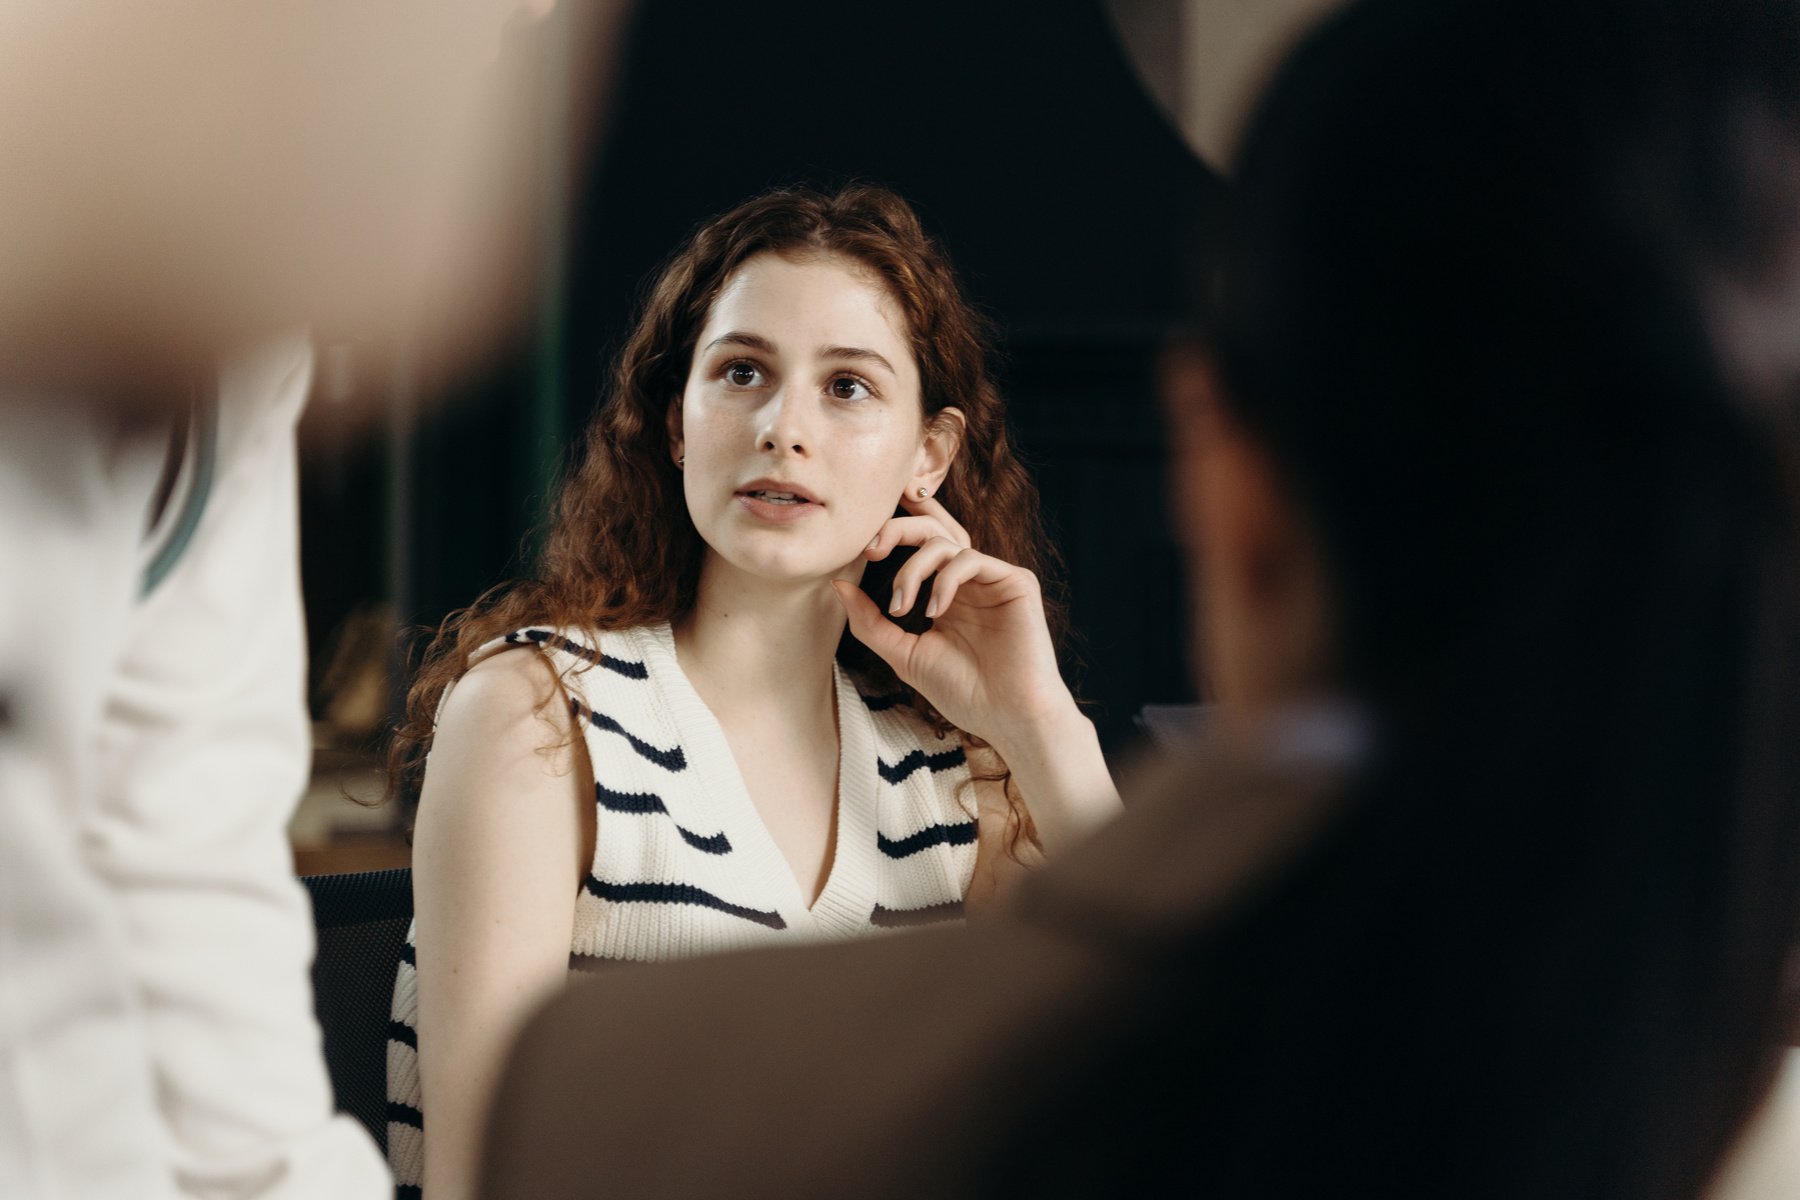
column 798, row 573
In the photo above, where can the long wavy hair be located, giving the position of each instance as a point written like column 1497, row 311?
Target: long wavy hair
column 621, row 549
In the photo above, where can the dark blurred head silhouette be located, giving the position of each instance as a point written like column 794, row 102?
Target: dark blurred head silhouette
column 1514, row 315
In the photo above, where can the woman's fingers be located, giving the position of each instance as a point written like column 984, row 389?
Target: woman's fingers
column 929, row 507
column 912, row 531
column 928, row 559
column 873, row 630
column 970, row 566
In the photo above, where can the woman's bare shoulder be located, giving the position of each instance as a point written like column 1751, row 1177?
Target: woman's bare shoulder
column 501, row 689
column 508, row 703
column 507, row 779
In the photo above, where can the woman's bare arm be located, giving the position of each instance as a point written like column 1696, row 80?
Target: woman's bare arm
column 1068, row 791
column 1058, row 767
column 503, row 841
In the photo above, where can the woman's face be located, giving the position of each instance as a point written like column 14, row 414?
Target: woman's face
column 801, row 421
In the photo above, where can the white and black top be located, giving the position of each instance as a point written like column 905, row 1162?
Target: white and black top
column 683, row 864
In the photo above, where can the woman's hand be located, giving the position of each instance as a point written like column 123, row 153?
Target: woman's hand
column 987, row 662
column 988, row 666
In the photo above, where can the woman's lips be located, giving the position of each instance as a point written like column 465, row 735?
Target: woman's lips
column 774, row 510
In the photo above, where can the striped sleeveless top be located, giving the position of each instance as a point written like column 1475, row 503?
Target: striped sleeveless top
column 683, row 864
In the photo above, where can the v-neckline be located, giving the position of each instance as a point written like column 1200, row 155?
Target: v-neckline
column 847, row 897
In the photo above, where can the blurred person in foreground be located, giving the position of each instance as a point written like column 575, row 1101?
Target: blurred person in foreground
column 188, row 186
column 1488, row 883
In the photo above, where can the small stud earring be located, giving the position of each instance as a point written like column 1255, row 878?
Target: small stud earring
column 680, row 461
column 922, row 493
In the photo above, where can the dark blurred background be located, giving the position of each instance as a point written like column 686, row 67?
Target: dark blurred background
column 1031, row 144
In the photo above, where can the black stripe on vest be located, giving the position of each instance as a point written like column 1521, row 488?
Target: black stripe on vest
column 408, row 1191
column 649, row 803
column 678, row 893
column 883, row 703
column 408, row 955
column 628, row 802
column 671, row 759
column 405, row 1114
column 898, row 918
column 543, row 637
column 399, row 1031
column 718, row 843
column 915, row 759
column 931, row 835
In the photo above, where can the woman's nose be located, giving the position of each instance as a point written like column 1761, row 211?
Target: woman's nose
column 782, row 426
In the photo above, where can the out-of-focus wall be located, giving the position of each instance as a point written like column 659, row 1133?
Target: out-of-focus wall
column 1230, row 48
column 1206, row 61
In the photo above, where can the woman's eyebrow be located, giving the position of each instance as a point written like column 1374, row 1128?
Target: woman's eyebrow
column 749, row 341
column 857, row 352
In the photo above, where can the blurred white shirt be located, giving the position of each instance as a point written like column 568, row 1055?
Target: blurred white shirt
column 157, row 1036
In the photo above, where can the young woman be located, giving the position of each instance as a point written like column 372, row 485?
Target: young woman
column 712, row 729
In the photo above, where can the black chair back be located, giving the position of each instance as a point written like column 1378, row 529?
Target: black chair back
column 361, row 921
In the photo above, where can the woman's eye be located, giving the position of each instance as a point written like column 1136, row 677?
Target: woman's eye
column 848, row 387
column 742, row 375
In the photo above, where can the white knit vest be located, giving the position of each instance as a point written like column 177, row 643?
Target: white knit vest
column 683, row 864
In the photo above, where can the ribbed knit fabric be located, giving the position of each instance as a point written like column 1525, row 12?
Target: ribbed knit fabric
column 683, row 864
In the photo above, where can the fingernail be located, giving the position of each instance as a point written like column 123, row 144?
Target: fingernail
column 895, row 608
column 931, row 609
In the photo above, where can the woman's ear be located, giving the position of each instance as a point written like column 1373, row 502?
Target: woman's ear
column 943, row 438
column 677, row 443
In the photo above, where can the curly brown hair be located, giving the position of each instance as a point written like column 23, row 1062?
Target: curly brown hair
column 621, row 550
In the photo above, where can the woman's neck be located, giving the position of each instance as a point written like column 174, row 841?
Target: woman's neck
column 751, row 646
